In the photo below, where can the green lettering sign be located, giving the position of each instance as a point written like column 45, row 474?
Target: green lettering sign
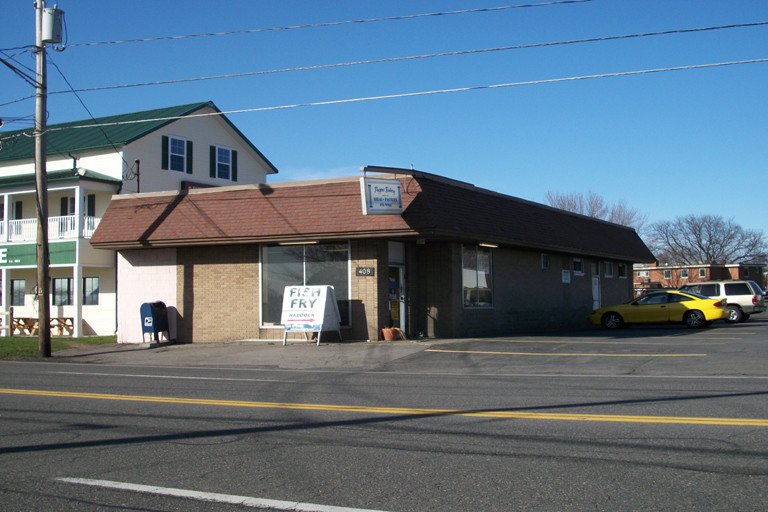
column 25, row 255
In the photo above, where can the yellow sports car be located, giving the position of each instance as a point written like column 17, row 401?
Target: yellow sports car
column 692, row 309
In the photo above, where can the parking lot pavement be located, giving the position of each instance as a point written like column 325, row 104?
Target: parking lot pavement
column 330, row 356
column 641, row 350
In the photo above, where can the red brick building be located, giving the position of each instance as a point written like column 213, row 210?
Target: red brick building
column 674, row 276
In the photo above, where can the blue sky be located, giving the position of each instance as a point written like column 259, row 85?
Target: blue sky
column 668, row 144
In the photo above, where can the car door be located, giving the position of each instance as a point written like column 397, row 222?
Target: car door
column 677, row 306
column 651, row 308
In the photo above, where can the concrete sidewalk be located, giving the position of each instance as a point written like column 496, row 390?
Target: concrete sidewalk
column 302, row 355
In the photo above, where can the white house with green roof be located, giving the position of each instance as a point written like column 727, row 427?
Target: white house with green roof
column 88, row 161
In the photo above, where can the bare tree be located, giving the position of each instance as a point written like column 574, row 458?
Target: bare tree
column 709, row 239
column 594, row 205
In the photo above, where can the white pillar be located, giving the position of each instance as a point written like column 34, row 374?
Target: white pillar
column 6, row 217
column 5, row 301
column 77, row 291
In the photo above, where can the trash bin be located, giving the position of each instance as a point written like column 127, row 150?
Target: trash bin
column 154, row 320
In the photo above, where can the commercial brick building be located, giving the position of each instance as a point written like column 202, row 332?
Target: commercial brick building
column 457, row 261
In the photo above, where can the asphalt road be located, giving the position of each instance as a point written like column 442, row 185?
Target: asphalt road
column 639, row 419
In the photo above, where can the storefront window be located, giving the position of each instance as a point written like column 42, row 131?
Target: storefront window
column 476, row 277
column 307, row 265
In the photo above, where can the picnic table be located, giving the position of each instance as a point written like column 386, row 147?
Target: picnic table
column 29, row 326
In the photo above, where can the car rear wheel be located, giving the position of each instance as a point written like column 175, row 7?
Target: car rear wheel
column 695, row 319
column 612, row 320
column 735, row 314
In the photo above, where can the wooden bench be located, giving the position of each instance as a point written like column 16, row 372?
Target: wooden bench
column 29, row 326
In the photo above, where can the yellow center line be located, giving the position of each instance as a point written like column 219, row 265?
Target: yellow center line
column 558, row 355
column 614, row 418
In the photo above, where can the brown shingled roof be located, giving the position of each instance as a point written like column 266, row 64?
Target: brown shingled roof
column 433, row 208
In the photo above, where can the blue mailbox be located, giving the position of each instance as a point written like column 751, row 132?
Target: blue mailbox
column 154, row 320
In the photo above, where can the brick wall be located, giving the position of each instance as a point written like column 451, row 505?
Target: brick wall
column 218, row 290
column 368, row 311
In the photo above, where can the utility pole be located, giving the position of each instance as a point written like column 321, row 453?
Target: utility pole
column 41, row 186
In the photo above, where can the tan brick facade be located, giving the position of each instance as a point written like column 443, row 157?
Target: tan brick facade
column 217, row 290
column 218, row 293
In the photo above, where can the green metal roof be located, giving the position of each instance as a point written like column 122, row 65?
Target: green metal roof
column 102, row 132
column 24, row 180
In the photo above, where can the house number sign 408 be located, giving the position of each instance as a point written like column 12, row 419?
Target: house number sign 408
column 365, row 271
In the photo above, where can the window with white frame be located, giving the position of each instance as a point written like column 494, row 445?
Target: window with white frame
column 176, row 154
column 702, row 273
column 62, row 291
column 684, row 273
column 476, row 276
column 90, row 291
column 18, row 291
column 67, row 206
column 643, row 273
column 223, row 163
column 667, row 274
column 578, row 267
column 608, row 269
column 622, row 270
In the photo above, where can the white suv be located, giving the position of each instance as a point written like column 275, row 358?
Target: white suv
column 744, row 297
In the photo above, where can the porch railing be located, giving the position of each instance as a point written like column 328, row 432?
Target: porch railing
column 59, row 228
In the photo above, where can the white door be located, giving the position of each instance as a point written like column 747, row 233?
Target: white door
column 595, row 292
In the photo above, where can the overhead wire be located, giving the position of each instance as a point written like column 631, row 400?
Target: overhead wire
column 100, row 126
column 333, row 23
column 416, row 57
column 425, row 93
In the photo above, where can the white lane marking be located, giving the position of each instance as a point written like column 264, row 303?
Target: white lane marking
column 212, row 496
column 136, row 375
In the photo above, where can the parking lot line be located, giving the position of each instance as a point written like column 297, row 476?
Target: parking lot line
column 564, row 354
column 593, row 342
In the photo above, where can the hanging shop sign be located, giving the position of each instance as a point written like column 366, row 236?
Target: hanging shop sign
column 25, row 255
column 310, row 309
column 381, row 197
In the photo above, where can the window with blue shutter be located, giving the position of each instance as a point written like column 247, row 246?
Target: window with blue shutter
column 223, row 163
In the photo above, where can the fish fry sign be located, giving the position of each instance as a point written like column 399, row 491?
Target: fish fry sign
column 310, row 309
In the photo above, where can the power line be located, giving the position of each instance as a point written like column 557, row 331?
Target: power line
column 30, row 79
column 398, row 59
column 333, row 23
column 416, row 57
column 101, row 129
column 426, row 93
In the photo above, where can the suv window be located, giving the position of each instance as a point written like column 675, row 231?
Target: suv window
column 710, row 289
column 737, row 289
column 756, row 288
